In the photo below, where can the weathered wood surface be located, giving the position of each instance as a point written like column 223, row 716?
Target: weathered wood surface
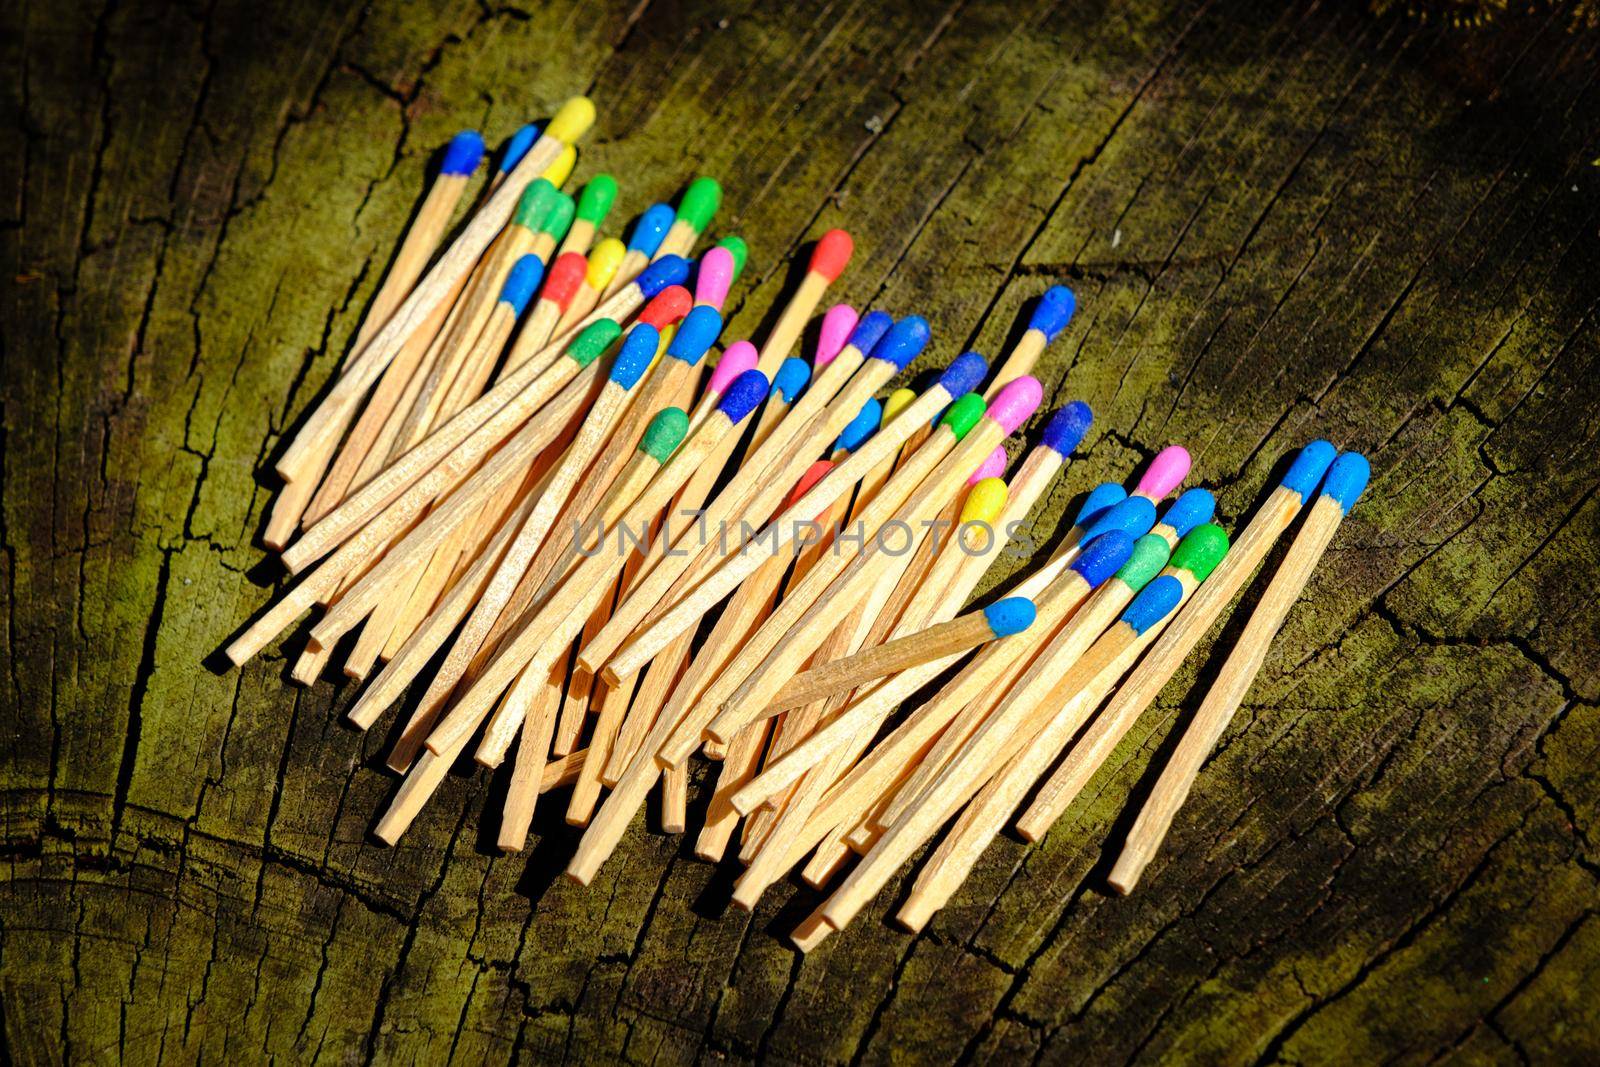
column 1281, row 222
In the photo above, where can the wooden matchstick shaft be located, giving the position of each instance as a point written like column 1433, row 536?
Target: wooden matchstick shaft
column 527, row 778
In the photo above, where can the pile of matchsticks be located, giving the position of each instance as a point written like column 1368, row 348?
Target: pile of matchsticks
column 517, row 504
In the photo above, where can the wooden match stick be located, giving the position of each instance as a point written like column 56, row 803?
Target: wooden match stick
column 1049, row 318
column 828, row 260
column 695, row 210
column 1346, row 480
column 649, row 230
column 527, row 777
column 307, row 456
column 1181, row 636
column 601, row 266
column 594, row 204
column 560, row 288
column 516, row 147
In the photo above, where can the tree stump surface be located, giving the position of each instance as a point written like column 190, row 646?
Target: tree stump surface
column 1281, row 222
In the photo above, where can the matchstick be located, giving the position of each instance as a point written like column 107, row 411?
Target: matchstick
column 1346, row 479
column 527, row 777
column 594, row 204
column 649, row 230
column 601, row 266
column 1049, row 318
column 565, row 276
column 696, row 207
column 516, row 147
column 828, row 260
column 1181, row 636
column 999, row 620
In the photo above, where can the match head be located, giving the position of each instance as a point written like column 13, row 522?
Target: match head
column 638, row 352
column 898, row 401
column 699, row 202
column 713, row 276
column 1192, row 508
column 566, row 274
column 1201, row 550
column 736, row 359
column 792, row 378
column 664, row 434
column 837, row 324
column 1065, row 430
column 1103, row 557
column 1309, row 465
column 534, row 204
column 964, row 374
column 1099, row 499
column 963, row 415
column 521, row 283
column 651, row 229
column 517, row 146
column 1150, row 554
column 832, row 254
column 985, row 501
column 738, row 249
column 1133, row 516
column 870, row 330
column 744, row 395
column 695, row 336
column 1167, row 471
column 1154, row 602
column 604, row 259
column 1054, row 312
column 559, row 218
column 1347, row 479
column 572, row 121
column 668, row 270
column 1015, row 402
column 594, row 203
column 1010, row 616
column 463, row 154
column 993, row 466
column 667, row 307
column 858, row 429
column 903, row 341
column 595, row 339
column 559, row 171
column 807, row 482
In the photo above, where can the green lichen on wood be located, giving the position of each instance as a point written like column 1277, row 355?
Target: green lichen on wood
column 1280, row 222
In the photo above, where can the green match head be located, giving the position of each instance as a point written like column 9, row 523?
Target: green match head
column 964, row 414
column 594, row 203
column 1201, row 550
column 598, row 336
column 739, row 250
column 700, row 202
column 664, row 434
column 535, row 204
column 1150, row 554
column 559, row 219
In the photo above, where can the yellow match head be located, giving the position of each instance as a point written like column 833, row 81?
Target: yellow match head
column 898, row 401
column 572, row 121
column 985, row 501
column 561, row 169
column 604, row 259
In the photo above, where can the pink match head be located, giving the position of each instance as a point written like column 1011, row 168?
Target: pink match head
column 1167, row 471
column 736, row 359
column 713, row 277
column 832, row 254
column 1017, row 400
column 837, row 325
column 992, row 467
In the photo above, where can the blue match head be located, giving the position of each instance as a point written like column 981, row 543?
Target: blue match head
column 1347, row 478
column 903, row 342
column 639, row 350
column 463, row 154
column 1308, row 468
column 794, row 374
column 1099, row 499
column 522, row 282
column 1133, row 516
column 863, row 426
column 744, row 395
column 651, row 229
column 1010, row 616
column 1189, row 510
column 870, row 330
column 964, row 374
column 1153, row 603
column 517, row 146
column 1103, row 557
column 1054, row 312
column 696, row 334
column 664, row 272
column 1066, row 428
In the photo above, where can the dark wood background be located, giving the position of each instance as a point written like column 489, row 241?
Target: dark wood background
column 1282, row 221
